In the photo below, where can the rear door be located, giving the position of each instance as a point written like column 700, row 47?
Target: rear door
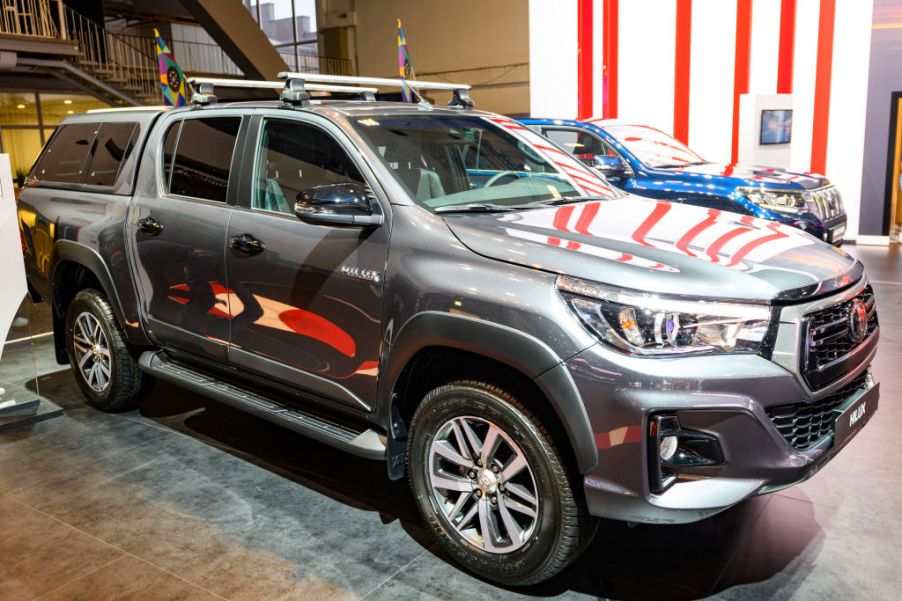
column 307, row 300
column 177, row 225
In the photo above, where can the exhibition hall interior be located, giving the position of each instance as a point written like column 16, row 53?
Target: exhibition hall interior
column 407, row 299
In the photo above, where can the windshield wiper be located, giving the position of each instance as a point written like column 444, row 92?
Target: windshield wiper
column 562, row 200
column 473, row 208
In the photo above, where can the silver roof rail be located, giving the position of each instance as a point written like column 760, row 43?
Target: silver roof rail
column 206, row 85
column 460, row 91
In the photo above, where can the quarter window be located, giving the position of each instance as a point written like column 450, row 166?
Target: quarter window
column 203, row 157
column 67, row 153
column 114, row 145
column 295, row 157
column 579, row 143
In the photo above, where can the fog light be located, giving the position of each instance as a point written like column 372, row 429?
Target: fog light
column 668, row 447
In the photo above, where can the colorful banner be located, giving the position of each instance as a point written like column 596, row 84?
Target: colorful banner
column 173, row 82
column 405, row 68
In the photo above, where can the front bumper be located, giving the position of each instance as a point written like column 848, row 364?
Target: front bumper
column 724, row 396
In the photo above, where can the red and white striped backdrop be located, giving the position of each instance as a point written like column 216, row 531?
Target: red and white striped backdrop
column 680, row 65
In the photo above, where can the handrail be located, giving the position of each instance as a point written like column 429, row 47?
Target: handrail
column 29, row 18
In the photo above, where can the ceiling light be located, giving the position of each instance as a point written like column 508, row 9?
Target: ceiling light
column 20, row 106
column 67, row 101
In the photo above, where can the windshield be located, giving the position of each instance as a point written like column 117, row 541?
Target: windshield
column 448, row 160
column 654, row 148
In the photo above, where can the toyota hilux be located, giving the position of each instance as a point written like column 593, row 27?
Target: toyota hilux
column 446, row 291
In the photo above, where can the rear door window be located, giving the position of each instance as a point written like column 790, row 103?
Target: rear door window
column 203, row 157
column 114, row 145
column 67, row 154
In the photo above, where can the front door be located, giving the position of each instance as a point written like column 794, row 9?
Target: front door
column 178, row 230
column 306, row 299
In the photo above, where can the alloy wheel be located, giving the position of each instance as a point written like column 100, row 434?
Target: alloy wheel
column 483, row 484
column 92, row 351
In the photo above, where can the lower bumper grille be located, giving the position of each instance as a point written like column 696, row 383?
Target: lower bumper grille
column 803, row 425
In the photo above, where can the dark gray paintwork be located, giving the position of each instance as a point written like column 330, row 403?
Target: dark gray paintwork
column 479, row 283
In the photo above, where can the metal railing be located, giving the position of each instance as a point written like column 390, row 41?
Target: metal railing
column 203, row 58
column 123, row 61
column 128, row 62
column 31, row 18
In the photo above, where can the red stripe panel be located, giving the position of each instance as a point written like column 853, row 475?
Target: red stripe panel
column 584, row 59
column 822, row 86
column 562, row 218
column 681, row 70
column 741, row 66
column 787, row 46
column 609, row 53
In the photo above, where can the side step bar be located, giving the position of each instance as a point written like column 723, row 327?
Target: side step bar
column 368, row 444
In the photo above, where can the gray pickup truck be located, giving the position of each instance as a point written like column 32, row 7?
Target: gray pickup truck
column 444, row 290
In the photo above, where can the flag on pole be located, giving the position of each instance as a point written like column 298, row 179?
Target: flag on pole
column 171, row 76
column 405, row 69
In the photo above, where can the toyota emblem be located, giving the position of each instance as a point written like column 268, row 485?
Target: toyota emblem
column 858, row 321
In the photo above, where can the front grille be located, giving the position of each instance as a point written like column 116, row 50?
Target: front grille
column 803, row 425
column 828, row 339
column 825, row 203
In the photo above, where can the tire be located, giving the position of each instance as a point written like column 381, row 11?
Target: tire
column 94, row 338
column 561, row 527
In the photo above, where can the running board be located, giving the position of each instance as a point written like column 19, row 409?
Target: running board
column 368, row 444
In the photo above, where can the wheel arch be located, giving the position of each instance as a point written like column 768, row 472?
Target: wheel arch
column 514, row 351
column 76, row 267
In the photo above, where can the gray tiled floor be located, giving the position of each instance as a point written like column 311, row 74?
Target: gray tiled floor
column 187, row 499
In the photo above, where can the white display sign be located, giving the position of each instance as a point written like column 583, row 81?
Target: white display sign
column 12, row 266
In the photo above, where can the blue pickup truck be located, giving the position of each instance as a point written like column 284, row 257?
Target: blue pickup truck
column 646, row 161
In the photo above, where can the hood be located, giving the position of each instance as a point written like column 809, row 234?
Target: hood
column 662, row 247
column 754, row 176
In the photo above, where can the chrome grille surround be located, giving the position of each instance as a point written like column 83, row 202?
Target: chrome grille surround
column 825, row 203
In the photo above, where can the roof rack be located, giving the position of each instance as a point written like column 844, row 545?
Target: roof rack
column 205, row 88
column 460, row 92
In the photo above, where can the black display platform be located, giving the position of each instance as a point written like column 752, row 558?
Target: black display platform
column 21, row 407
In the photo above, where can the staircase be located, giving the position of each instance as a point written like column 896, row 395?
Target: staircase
column 123, row 63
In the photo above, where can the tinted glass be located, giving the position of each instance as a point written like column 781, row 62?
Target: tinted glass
column 172, row 136
column 114, row 145
column 653, row 147
column 203, row 158
column 66, row 155
column 295, row 157
column 580, row 143
column 444, row 160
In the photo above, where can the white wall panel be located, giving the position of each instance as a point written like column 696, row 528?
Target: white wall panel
column 804, row 69
column 848, row 103
column 647, row 39
column 765, row 47
column 711, row 78
column 553, row 58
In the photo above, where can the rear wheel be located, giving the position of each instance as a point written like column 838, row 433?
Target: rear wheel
column 492, row 486
column 106, row 372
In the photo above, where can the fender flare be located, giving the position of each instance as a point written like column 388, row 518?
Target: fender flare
column 90, row 259
column 518, row 350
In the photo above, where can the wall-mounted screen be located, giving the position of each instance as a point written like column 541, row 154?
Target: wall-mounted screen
column 776, row 126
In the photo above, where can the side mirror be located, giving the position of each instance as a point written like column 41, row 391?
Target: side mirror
column 337, row 204
column 612, row 167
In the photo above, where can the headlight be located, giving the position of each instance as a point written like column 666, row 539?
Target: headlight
column 648, row 324
column 780, row 200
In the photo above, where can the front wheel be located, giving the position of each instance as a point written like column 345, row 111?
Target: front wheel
column 492, row 486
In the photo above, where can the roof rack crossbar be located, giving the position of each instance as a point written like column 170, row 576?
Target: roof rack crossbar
column 460, row 91
column 293, row 92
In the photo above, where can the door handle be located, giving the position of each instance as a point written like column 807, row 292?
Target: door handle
column 247, row 244
column 150, row 226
